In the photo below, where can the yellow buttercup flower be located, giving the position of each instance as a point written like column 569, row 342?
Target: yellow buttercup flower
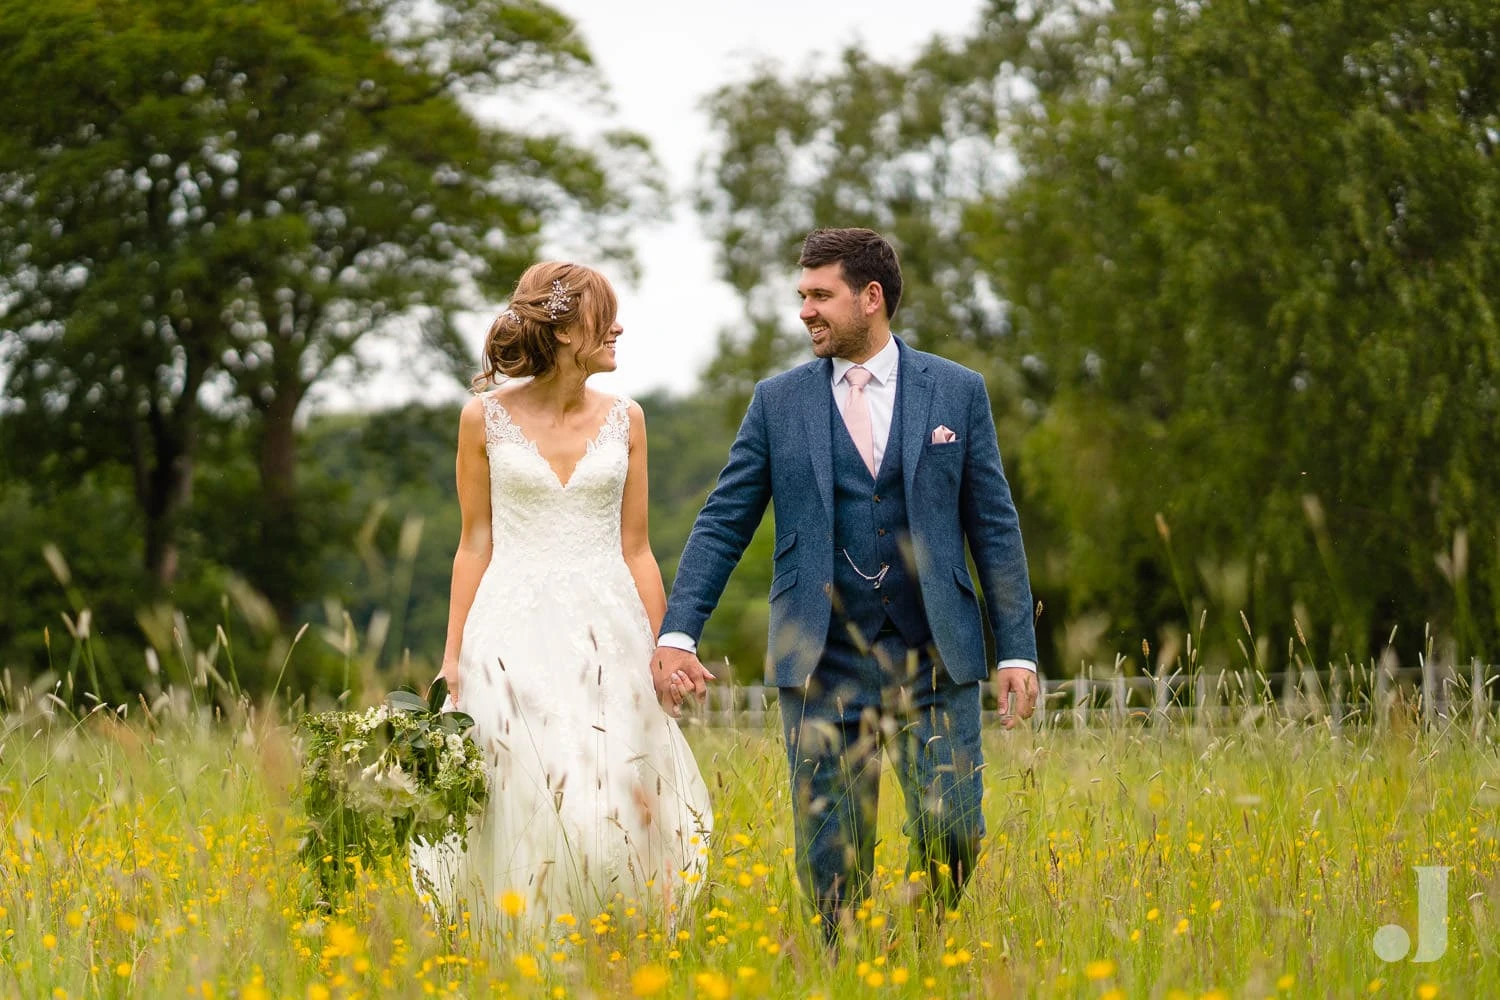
column 1099, row 968
column 713, row 985
column 648, row 980
column 342, row 940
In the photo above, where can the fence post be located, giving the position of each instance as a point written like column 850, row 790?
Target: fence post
column 1336, row 686
column 1047, row 689
column 1083, row 694
column 1429, row 690
column 1312, row 692
column 1119, row 694
column 1479, row 697
column 755, row 696
column 1446, row 688
column 1385, row 675
column 1159, row 693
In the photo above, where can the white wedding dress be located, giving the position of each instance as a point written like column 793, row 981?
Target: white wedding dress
column 595, row 797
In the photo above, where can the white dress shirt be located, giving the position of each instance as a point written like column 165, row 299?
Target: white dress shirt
column 880, row 394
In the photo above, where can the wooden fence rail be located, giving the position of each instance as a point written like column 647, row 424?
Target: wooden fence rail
column 1440, row 694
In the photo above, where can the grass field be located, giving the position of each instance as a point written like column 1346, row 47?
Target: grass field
column 160, row 860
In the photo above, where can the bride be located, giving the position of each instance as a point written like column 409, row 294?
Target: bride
column 556, row 600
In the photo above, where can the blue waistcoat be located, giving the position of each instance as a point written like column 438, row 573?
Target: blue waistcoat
column 870, row 525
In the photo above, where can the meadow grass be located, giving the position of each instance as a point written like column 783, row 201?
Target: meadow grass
column 160, row 859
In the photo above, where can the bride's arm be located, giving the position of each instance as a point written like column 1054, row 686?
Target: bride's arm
column 634, row 536
column 474, row 542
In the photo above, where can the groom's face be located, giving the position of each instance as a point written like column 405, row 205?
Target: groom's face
column 831, row 312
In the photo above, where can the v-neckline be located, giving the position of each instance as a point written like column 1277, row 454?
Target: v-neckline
column 531, row 444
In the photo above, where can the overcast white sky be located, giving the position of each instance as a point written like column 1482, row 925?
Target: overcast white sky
column 660, row 58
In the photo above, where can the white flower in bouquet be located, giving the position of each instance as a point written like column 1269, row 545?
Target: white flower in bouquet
column 386, row 788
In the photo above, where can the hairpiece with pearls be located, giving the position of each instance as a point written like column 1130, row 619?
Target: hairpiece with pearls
column 559, row 301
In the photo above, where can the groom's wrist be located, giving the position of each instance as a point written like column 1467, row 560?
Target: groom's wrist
column 678, row 640
column 1023, row 664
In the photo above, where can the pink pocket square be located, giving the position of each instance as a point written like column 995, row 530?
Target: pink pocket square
column 942, row 435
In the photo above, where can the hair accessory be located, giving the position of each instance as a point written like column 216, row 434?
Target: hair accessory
column 559, row 301
column 510, row 314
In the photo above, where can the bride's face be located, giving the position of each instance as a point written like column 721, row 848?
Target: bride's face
column 597, row 351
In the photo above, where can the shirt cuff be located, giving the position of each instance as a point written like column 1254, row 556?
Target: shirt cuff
column 678, row 640
column 1023, row 664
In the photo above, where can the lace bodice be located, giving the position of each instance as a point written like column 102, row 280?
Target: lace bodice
column 534, row 515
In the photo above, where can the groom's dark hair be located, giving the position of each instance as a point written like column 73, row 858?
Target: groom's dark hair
column 865, row 255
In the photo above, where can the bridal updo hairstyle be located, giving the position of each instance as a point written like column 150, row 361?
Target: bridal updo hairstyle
column 523, row 339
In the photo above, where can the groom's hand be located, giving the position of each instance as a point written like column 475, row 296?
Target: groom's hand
column 1021, row 684
column 676, row 673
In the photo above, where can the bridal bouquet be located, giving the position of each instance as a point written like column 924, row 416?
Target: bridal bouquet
column 376, row 780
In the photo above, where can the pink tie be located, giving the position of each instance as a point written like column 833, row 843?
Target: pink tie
column 857, row 415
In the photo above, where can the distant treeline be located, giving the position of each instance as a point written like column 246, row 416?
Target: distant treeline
column 1228, row 268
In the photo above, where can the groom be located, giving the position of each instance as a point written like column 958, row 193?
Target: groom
column 881, row 462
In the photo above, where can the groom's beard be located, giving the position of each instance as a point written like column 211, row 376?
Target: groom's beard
column 844, row 339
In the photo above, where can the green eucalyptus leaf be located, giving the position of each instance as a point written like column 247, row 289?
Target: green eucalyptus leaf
column 437, row 694
column 405, row 701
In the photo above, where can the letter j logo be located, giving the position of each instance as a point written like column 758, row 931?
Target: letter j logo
column 1391, row 942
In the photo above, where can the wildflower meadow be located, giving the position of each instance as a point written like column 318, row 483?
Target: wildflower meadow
column 153, row 850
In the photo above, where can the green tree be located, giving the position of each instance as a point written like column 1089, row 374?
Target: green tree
column 212, row 204
column 1253, row 243
column 1228, row 268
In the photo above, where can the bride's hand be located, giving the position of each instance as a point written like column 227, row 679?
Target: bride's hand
column 678, row 687
column 450, row 674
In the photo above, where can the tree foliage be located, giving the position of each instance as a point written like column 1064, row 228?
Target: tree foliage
column 1252, row 243
column 210, row 205
column 1231, row 268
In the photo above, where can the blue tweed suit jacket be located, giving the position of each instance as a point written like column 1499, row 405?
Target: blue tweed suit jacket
column 955, row 492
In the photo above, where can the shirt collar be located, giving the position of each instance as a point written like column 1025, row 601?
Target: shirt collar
column 882, row 367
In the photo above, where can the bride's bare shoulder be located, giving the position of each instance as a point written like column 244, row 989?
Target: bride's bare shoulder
column 471, row 419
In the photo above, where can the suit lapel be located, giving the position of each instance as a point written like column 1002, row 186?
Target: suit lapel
column 914, row 385
column 819, row 429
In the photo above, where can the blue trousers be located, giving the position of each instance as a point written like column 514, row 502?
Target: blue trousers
column 861, row 699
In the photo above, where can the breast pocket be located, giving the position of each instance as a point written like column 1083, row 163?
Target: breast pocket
column 944, row 463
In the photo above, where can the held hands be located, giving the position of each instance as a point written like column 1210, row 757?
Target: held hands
column 676, row 673
column 1020, row 683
